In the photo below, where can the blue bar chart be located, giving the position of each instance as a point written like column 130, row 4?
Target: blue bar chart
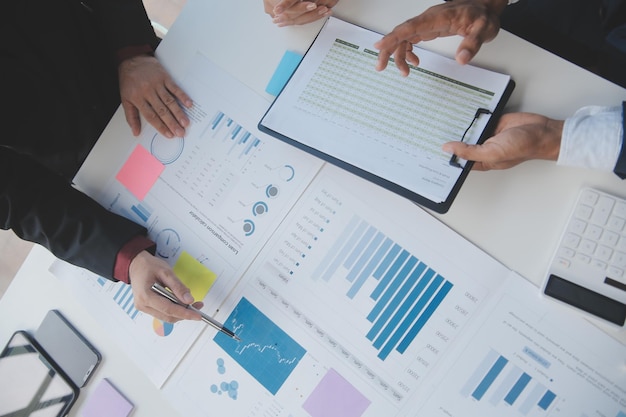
column 142, row 210
column 231, row 132
column 125, row 300
column 497, row 380
column 407, row 294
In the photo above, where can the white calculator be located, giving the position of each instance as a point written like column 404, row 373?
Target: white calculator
column 588, row 269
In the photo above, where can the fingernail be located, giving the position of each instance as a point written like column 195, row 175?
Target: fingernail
column 180, row 133
column 278, row 9
column 322, row 11
column 187, row 298
column 463, row 57
column 169, row 135
column 446, row 148
column 311, row 6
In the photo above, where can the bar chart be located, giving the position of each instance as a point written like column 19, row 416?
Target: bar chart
column 407, row 294
column 242, row 143
column 497, row 380
column 125, row 300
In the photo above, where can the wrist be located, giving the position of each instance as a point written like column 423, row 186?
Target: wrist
column 127, row 254
column 133, row 51
column 552, row 145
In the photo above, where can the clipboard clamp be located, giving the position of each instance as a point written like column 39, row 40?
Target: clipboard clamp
column 454, row 160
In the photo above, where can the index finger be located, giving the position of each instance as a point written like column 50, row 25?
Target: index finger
column 390, row 43
column 166, row 310
column 284, row 5
column 178, row 98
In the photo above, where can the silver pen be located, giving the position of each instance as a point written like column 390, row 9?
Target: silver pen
column 167, row 293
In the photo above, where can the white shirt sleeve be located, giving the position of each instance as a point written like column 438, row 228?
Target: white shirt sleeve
column 592, row 138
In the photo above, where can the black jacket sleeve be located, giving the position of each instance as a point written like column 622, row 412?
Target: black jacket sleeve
column 60, row 87
column 125, row 23
column 42, row 207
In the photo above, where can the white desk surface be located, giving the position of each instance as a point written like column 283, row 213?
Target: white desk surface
column 515, row 215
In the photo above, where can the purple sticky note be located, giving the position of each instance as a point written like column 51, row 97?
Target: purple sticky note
column 140, row 172
column 334, row 396
column 107, row 401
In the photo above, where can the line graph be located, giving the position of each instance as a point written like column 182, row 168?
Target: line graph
column 266, row 352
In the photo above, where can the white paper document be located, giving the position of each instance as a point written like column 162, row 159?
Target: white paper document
column 349, row 311
column 529, row 358
column 381, row 122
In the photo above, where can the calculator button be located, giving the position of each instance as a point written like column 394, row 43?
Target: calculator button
column 599, row 264
column 587, row 246
column 583, row 258
column 584, row 212
column 563, row 263
column 566, row 252
column 610, row 238
column 615, row 272
column 578, row 226
column 602, row 210
column 619, row 259
column 571, row 240
column 594, row 232
column 604, row 253
column 589, row 197
column 620, row 209
column 616, row 224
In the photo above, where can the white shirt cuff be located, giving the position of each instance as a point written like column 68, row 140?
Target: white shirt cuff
column 592, row 138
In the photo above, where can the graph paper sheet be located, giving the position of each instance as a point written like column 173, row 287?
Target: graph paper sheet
column 380, row 125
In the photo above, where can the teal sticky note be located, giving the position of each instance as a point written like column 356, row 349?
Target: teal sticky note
column 287, row 65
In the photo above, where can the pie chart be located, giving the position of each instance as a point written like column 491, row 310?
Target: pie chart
column 162, row 328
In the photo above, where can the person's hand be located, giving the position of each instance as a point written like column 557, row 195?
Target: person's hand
column 477, row 21
column 147, row 88
column 518, row 137
column 298, row 12
column 146, row 269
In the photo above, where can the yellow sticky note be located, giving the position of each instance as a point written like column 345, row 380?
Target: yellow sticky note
column 197, row 277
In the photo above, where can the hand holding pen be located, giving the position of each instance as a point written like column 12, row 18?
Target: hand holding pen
column 165, row 292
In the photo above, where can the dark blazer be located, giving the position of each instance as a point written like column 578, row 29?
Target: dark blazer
column 59, row 88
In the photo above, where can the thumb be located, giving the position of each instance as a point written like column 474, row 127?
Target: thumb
column 462, row 150
column 132, row 117
column 284, row 5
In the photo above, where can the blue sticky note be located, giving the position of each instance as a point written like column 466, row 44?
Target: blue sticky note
column 287, row 65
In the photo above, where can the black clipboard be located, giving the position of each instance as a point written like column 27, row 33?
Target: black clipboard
column 317, row 145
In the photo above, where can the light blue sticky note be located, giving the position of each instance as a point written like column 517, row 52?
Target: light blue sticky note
column 286, row 67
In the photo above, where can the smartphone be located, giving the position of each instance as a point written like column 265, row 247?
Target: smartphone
column 32, row 384
column 70, row 350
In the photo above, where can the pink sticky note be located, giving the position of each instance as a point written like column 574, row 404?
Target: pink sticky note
column 106, row 401
column 140, row 172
